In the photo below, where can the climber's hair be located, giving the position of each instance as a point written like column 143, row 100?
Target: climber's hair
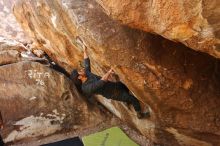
column 74, row 75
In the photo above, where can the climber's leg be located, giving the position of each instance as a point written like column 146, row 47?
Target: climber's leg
column 118, row 91
column 136, row 104
column 60, row 69
column 130, row 99
column 56, row 66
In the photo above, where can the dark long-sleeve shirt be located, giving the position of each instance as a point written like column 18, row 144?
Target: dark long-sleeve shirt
column 93, row 84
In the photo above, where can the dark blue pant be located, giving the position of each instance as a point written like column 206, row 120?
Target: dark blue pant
column 130, row 99
column 118, row 91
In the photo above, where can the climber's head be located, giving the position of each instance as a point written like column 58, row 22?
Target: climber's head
column 82, row 75
column 75, row 78
column 79, row 74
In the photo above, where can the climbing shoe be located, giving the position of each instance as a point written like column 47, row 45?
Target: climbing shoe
column 141, row 115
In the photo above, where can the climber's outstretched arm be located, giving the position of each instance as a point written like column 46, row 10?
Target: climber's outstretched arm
column 85, row 52
column 107, row 75
column 86, row 60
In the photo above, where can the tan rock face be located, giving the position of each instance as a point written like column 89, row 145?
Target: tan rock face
column 180, row 86
column 193, row 23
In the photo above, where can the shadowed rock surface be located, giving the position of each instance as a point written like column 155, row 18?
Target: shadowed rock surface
column 194, row 23
column 180, row 86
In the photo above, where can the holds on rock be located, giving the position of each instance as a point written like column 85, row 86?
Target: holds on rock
column 39, row 53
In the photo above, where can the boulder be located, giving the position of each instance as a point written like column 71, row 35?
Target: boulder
column 193, row 23
column 180, row 86
column 37, row 101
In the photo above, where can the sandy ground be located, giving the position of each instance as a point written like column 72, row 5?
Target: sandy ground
column 132, row 133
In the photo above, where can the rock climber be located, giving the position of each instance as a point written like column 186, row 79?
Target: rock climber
column 92, row 84
column 1, row 127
